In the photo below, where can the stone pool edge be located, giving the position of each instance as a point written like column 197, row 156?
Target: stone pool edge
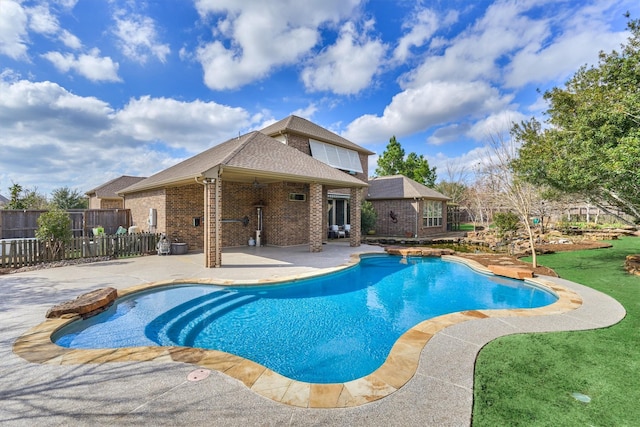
column 401, row 365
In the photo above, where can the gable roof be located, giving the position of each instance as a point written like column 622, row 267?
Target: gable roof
column 295, row 124
column 246, row 158
column 3, row 200
column 401, row 187
column 110, row 189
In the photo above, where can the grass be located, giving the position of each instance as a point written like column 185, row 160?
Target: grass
column 529, row 379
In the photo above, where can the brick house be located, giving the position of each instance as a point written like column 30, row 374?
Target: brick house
column 106, row 195
column 279, row 181
column 406, row 208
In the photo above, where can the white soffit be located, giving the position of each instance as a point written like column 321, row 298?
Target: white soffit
column 337, row 157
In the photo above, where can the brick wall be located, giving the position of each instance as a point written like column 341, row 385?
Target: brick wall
column 183, row 204
column 140, row 203
column 239, row 200
column 405, row 213
column 317, row 226
column 111, row 204
column 286, row 223
column 299, row 142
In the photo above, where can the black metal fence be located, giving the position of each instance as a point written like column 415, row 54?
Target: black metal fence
column 16, row 253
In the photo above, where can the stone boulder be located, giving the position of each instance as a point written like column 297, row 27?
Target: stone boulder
column 632, row 264
column 86, row 305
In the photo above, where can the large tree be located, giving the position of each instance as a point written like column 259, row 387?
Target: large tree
column 590, row 145
column 393, row 162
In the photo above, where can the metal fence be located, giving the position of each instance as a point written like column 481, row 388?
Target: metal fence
column 16, row 253
column 22, row 224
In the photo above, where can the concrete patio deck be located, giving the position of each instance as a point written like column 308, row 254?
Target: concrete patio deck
column 159, row 393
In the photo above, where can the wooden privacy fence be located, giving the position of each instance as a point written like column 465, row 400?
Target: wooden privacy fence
column 26, row 252
column 22, row 224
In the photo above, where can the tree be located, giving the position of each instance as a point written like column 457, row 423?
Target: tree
column 15, row 201
column 508, row 186
column 25, row 199
column 65, row 198
column 54, row 230
column 591, row 144
column 393, row 162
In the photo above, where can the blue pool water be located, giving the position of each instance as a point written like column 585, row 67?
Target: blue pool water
column 334, row 328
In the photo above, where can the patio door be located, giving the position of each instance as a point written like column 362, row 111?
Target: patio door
column 339, row 213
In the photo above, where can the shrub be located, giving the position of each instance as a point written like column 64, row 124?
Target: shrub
column 506, row 223
column 54, row 230
column 368, row 217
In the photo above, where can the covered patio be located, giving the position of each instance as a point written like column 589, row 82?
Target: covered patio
column 247, row 184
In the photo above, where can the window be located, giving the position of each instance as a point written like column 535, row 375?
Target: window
column 432, row 213
column 338, row 157
column 297, row 197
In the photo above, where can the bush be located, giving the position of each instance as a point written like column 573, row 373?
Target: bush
column 506, row 223
column 54, row 229
column 368, row 217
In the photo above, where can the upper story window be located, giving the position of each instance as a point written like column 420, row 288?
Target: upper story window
column 338, row 157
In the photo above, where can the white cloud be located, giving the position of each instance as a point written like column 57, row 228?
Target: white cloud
column 418, row 109
column 193, row 126
column 306, row 112
column 13, row 30
column 422, row 25
column 495, row 124
column 69, row 40
column 91, row 66
column 138, row 37
column 255, row 36
column 53, row 138
column 42, row 21
column 348, row 66
column 556, row 60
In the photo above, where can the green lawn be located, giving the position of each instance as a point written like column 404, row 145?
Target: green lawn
column 529, row 379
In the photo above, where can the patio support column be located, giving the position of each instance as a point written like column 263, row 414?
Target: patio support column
column 213, row 228
column 355, row 208
column 316, row 210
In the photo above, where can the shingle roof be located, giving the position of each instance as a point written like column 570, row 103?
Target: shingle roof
column 110, row 189
column 400, row 187
column 253, row 154
column 295, row 124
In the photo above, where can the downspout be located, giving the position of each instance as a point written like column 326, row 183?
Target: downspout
column 415, row 235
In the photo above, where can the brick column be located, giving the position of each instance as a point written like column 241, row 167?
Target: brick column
column 355, row 208
column 316, row 210
column 213, row 224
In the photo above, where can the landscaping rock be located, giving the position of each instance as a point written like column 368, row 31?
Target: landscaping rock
column 632, row 264
column 85, row 305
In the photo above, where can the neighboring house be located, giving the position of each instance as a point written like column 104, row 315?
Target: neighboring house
column 106, row 196
column 278, row 181
column 3, row 201
column 406, row 207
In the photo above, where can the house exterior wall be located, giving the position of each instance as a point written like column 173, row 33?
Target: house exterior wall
column 238, row 201
column 183, row 204
column 140, row 203
column 407, row 224
column 286, row 223
column 111, row 204
column 301, row 143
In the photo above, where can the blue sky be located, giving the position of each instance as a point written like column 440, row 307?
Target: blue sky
column 94, row 89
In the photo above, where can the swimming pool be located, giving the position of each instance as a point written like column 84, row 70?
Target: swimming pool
column 333, row 328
